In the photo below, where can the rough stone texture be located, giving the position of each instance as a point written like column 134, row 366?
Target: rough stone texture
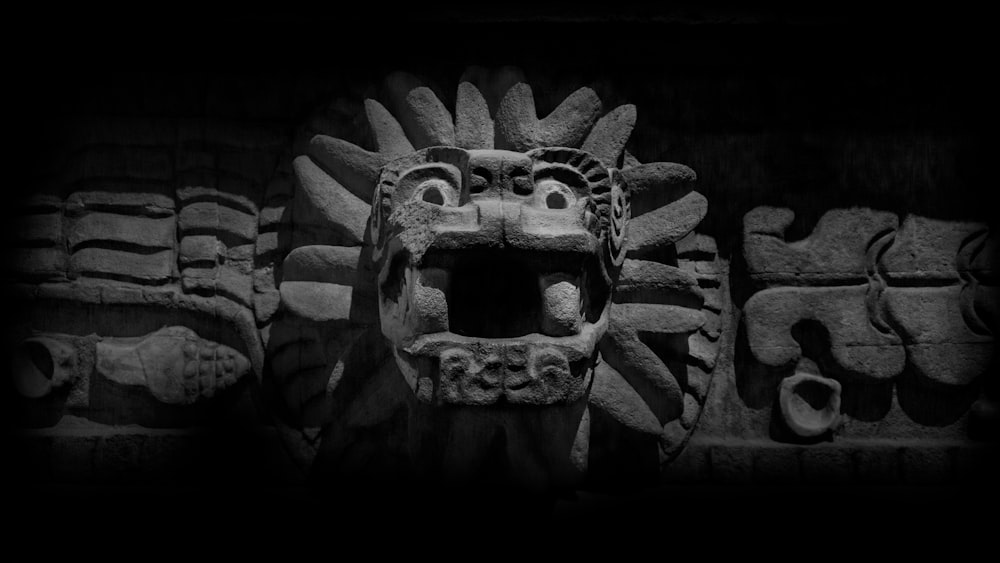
column 424, row 118
column 643, row 370
column 518, row 127
column 855, row 344
column 665, row 225
column 109, row 227
column 611, row 394
column 926, row 249
column 836, row 250
column 149, row 268
column 327, row 204
column 317, row 301
column 389, row 136
column 348, row 164
column 211, row 216
column 655, row 184
column 939, row 343
column 649, row 282
column 648, row 317
column 607, row 140
column 810, row 404
column 473, row 124
column 330, row 264
column 175, row 364
column 199, row 248
column 919, row 324
column 930, row 292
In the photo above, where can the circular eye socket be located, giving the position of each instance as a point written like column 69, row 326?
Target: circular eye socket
column 433, row 195
column 435, row 192
column 555, row 200
column 555, row 195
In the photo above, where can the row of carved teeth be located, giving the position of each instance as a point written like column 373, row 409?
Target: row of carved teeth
column 562, row 302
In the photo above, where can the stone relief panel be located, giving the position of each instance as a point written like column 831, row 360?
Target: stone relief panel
column 476, row 294
column 496, row 291
column 132, row 274
column 870, row 314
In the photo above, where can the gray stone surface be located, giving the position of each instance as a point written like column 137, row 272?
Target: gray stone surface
column 112, row 227
column 607, row 140
column 327, row 204
column 612, row 395
column 156, row 267
column 330, row 264
column 424, row 118
column 473, row 124
column 836, row 249
column 389, row 136
column 348, row 164
column 656, row 184
column 926, row 249
column 810, row 404
column 518, row 127
column 665, row 225
column 174, row 364
column 194, row 253
column 855, row 344
column 939, row 343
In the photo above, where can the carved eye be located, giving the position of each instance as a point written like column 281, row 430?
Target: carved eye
column 436, row 192
column 553, row 194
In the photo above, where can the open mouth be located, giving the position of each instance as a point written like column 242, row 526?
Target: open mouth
column 497, row 325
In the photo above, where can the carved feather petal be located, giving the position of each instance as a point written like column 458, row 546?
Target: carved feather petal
column 389, row 136
column 612, row 395
column 327, row 204
column 473, row 125
column 352, row 166
column 569, row 123
column 322, row 263
column 664, row 319
column 317, row 301
column 656, row 184
column 424, row 118
column 643, row 370
column 516, row 122
column 607, row 139
column 643, row 281
column 665, row 225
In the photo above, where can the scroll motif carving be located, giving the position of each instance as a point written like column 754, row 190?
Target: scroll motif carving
column 890, row 298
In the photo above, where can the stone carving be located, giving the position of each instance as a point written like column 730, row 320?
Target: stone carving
column 498, row 295
column 42, row 364
column 141, row 260
column 810, row 403
column 890, row 298
column 480, row 289
column 173, row 364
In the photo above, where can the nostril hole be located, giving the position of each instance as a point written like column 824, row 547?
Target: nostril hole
column 555, row 200
column 433, row 195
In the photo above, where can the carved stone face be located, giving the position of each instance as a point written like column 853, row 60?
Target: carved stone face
column 495, row 270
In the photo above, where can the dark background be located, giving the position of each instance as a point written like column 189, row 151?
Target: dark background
column 820, row 107
column 811, row 108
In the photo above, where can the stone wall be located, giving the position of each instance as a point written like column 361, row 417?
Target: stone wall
column 845, row 266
